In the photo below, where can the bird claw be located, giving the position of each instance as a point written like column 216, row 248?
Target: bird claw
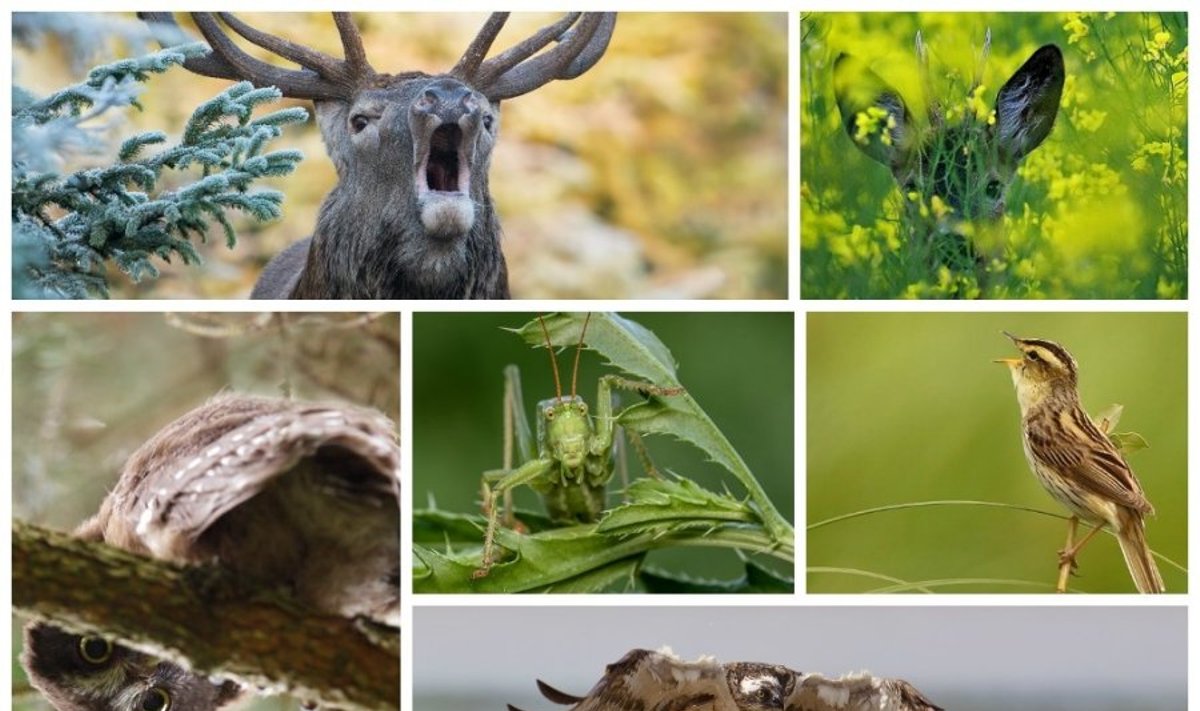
column 1067, row 557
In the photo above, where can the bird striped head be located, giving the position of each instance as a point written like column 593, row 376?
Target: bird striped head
column 1044, row 369
column 1042, row 359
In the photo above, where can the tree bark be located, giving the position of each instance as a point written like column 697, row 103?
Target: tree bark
column 203, row 620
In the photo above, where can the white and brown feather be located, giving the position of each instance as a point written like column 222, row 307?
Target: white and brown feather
column 644, row 680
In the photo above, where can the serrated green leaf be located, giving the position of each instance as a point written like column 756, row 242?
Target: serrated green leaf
column 671, row 505
column 609, row 578
column 626, row 344
column 540, row 560
column 561, row 556
column 757, row 579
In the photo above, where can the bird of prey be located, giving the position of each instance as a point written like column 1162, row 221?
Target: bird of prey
column 660, row 681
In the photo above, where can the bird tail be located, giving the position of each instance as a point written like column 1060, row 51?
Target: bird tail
column 1138, row 557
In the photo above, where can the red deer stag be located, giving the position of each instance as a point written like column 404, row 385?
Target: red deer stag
column 411, row 216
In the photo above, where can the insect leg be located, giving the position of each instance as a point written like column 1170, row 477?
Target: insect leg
column 505, row 482
column 605, row 421
column 639, row 447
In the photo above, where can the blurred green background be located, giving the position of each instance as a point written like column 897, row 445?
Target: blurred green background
column 1097, row 211
column 662, row 172
column 910, row 407
column 89, row 388
column 738, row 367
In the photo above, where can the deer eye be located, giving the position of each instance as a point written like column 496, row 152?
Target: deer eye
column 156, row 699
column 95, row 650
column 359, row 121
column 994, row 189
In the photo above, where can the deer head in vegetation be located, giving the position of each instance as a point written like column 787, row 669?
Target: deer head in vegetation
column 411, row 215
column 952, row 171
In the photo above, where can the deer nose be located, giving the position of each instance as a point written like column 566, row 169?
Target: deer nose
column 448, row 100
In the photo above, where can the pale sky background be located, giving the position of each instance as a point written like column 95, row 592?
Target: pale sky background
column 1117, row 649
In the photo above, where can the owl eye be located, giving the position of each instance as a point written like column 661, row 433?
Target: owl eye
column 94, row 650
column 156, row 699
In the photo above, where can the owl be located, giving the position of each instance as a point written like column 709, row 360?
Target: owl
column 643, row 679
column 296, row 496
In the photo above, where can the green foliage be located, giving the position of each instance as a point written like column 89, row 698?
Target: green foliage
column 68, row 227
column 656, row 513
column 1097, row 211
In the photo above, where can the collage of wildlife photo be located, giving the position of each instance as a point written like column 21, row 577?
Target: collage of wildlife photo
column 673, row 357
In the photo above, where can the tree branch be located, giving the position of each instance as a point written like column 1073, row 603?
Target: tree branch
column 202, row 619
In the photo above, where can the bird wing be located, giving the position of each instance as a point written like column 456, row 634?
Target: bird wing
column 654, row 681
column 910, row 698
column 855, row 692
column 225, row 452
column 1098, row 468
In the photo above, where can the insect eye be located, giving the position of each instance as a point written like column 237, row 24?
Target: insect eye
column 549, row 413
column 358, row 122
column 95, row 650
column 156, row 699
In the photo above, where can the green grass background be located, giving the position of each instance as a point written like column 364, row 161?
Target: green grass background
column 739, row 367
column 909, row 407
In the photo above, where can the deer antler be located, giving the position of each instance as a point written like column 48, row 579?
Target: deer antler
column 323, row 76
column 582, row 39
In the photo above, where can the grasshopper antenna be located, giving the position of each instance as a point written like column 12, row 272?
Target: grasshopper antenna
column 578, row 350
column 553, row 360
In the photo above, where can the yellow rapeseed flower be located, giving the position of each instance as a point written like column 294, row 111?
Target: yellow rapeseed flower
column 939, row 207
column 1090, row 120
column 977, row 105
column 1076, row 27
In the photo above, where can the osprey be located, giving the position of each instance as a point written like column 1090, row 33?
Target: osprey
column 661, row 681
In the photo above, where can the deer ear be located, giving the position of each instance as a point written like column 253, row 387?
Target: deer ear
column 1028, row 102
column 873, row 113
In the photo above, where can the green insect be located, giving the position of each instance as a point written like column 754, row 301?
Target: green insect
column 573, row 461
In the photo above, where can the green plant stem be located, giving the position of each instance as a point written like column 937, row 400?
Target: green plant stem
column 864, row 574
column 925, row 585
column 748, row 539
column 968, row 502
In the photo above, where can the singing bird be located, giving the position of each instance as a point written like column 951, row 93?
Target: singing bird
column 643, row 679
column 296, row 496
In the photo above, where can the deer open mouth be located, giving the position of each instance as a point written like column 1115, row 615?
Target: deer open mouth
column 444, row 168
column 443, row 182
